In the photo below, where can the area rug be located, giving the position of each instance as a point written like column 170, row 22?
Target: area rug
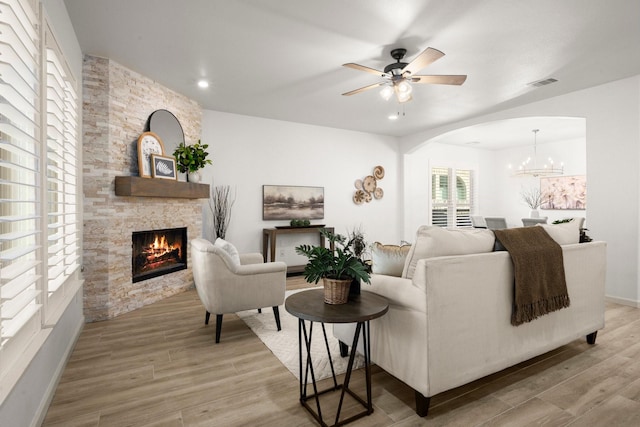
column 284, row 344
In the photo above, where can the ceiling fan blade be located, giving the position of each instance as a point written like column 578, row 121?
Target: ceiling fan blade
column 440, row 80
column 362, row 89
column 363, row 68
column 428, row 56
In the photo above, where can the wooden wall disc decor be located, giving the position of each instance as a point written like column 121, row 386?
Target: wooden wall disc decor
column 369, row 184
column 378, row 172
column 367, row 188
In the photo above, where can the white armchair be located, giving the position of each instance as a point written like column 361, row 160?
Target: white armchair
column 228, row 282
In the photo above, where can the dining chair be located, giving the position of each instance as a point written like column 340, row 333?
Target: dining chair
column 495, row 223
column 478, row 221
column 528, row 222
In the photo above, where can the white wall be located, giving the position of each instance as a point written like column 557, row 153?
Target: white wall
column 612, row 113
column 250, row 152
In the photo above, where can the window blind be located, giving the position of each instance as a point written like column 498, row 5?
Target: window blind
column 440, row 196
column 451, row 206
column 20, row 172
column 464, row 197
column 63, row 245
column 39, row 164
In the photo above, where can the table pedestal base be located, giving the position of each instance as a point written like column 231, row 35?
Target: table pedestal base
column 304, row 379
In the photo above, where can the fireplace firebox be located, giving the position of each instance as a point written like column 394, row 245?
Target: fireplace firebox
column 158, row 252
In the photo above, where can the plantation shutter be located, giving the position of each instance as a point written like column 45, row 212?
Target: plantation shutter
column 464, row 197
column 451, row 205
column 63, row 244
column 20, row 212
column 440, row 196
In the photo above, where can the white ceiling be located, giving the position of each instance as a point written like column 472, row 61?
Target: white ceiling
column 282, row 59
column 501, row 134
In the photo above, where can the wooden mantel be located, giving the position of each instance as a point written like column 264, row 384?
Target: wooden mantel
column 157, row 187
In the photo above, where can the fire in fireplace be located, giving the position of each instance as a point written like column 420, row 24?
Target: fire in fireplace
column 158, row 252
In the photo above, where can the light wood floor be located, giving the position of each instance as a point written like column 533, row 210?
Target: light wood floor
column 159, row 366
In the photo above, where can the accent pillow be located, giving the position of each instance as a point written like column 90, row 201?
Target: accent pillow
column 434, row 241
column 565, row 233
column 388, row 259
column 229, row 249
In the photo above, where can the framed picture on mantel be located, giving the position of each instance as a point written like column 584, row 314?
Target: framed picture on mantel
column 292, row 202
column 163, row 167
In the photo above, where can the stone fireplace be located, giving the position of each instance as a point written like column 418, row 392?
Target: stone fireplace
column 116, row 105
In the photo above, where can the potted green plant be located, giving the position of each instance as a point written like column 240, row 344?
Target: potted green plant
column 191, row 158
column 337, row 268
column 358, row 246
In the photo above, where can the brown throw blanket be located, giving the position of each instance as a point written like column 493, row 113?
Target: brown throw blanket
column 540, row 285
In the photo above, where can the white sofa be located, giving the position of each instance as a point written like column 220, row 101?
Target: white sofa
column 449, row 324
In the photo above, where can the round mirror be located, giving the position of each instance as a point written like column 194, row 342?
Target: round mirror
column 164, row 124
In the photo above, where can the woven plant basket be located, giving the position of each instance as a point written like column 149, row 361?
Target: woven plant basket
column 336, row 291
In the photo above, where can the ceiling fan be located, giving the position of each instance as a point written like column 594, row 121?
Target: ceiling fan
column 398, row 76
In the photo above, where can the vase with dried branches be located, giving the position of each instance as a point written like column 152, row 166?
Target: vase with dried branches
column 533, row 198
column 221, row 205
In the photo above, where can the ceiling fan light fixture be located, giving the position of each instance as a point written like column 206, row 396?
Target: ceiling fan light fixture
column 399, row 75
column 404, row 97
column 386, row 93
column 404, row 87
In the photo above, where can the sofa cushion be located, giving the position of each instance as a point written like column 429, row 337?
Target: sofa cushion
column 565, row 233
column 229, row 249
column 388, row 259
column 434, row 241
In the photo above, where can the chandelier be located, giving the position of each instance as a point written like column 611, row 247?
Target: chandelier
column 530, row 167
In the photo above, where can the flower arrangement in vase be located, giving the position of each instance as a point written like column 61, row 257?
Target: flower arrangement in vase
column 533, row 198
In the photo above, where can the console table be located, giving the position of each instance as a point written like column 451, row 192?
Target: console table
column 309, row 306
column 269, row 237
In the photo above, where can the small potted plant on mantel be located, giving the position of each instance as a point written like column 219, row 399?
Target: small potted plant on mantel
column 337, row 268
column 192, row 158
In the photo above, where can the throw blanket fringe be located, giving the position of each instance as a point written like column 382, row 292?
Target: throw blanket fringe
column 540, row 286
column 528, row 312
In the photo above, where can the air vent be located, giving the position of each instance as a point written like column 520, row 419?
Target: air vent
column 543, row 82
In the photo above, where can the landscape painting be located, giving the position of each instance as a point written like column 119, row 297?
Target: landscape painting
column 292, row 202
column 564, row 192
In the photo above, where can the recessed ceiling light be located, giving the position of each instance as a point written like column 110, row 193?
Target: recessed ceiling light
column 203, row 84
column 392, row 117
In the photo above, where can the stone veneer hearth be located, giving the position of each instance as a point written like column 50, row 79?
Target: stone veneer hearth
column 116, row 105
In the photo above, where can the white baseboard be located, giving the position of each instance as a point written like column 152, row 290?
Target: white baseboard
column 51, row 389
column 622, row 301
